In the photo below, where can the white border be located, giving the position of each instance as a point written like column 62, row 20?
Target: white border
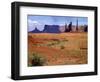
column 25, row 70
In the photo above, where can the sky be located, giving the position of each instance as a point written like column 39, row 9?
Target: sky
column 38, row 21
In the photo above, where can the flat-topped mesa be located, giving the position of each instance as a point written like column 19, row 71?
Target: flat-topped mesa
column 51, row 29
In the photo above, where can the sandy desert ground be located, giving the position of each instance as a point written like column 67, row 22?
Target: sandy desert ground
column 58, row 49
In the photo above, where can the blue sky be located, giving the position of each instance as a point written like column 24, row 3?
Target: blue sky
column 39, row 21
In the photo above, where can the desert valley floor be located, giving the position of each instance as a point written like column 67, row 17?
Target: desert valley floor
column 58, row 48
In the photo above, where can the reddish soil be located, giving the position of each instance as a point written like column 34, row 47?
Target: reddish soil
column 53, row 56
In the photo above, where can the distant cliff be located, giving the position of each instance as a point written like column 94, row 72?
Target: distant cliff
column 51, row 29
column 60, row 29
column 47, row 29
column 35, row 31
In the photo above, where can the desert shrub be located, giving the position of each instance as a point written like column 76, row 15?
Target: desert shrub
column 37, row 60
column 62, row 47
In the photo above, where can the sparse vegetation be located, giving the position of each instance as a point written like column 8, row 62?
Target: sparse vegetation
column 62, row 47
column 58, row 49
column 37, row 60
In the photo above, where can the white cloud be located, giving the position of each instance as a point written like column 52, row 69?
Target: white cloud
column 35, row 22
